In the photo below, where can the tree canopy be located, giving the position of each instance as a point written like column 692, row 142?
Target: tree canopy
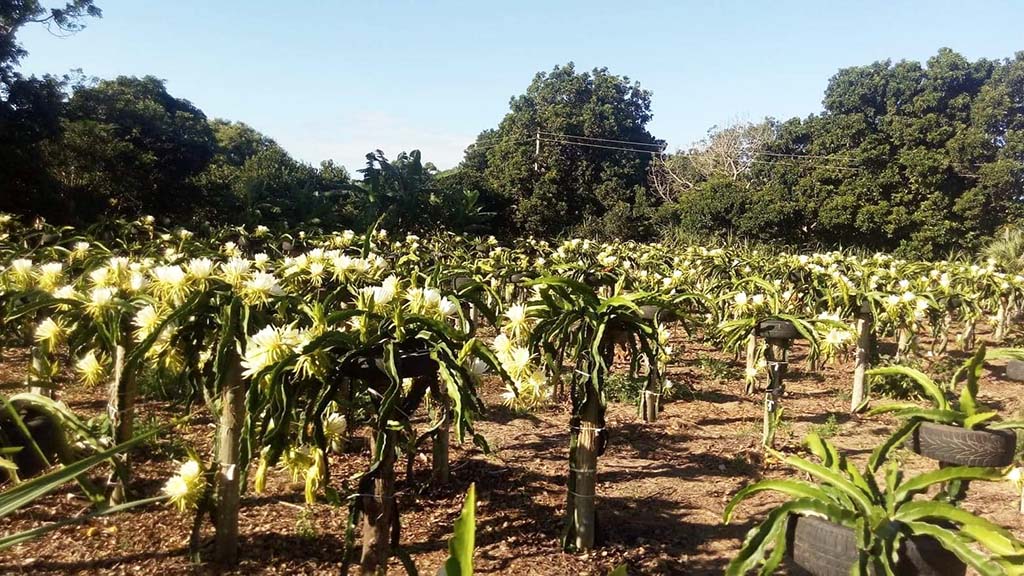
column 128, row 147
column 925, row 159
column 575, row 180
column 30, row 107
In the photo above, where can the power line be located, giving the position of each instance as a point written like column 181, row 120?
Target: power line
column 790, row 162
column 562, row 138
column 786, row 159
column 652, row 152
column 561, row 135
column 501, row 141
column 853, row 168
column 558, row 135
column 498, row 139
column 821, row 156
column 553, row 141
column 662, row 147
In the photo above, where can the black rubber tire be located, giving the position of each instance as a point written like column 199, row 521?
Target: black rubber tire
column 924, row 556
column 598, row 280
column 821, row 547
column 826, row 549
column 776, row 328
column 416, row 364
column 43, row 429
column 653, row 311
column 410, row 363
column 962, row 447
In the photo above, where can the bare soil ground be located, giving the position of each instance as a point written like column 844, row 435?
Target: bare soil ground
column 662, row 486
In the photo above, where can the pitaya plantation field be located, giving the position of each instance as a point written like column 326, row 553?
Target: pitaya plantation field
column 306, row 401
column 436, row 288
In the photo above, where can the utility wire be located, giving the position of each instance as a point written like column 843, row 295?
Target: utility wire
column 821, row 156
column 570, row 138
column 497, row 139
column 566, row 136
column 500, row 141
column 791, row 162
column 660, row 146
column 853, row 168
column 553, row 141
column 654, row 152
column 787, row 159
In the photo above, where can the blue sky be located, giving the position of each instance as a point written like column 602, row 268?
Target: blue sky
column 338, row 79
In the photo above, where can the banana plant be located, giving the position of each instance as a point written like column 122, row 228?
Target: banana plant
column 881, row 516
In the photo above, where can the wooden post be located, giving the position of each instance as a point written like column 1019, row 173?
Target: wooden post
column 379, row 507
column 940, row 344
column 583, row 488
column 510, row 291
column 42, row 372
column 777, row 365
column 440, row 467
column 751, row 360
column 121, row 411
column 1002, row 317
column 232, row 413
column 902, row 343
column 967, row 338
column 650, row 397
column 863, row 361
column 650, row 402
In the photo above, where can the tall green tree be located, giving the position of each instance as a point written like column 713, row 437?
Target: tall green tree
column 129, row 147
column 30, row 108
column 16, row 14
column 905, row 132
column 919, row 158
column 577, row 179
column 251, row 179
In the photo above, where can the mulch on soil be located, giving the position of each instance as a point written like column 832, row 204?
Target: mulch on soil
column 662, row 486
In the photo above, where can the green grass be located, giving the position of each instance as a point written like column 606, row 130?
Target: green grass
column 827, row 429
column 169, row 445
column 305, row 525
column 717, row 370
column 623, row 388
